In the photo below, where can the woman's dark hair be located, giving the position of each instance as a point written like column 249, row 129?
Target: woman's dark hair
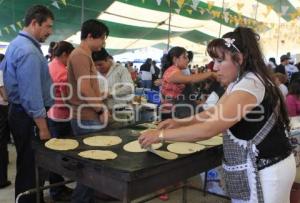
column 273, row 60
column 294, row 88
column 94, row 27
column 190, row 55
column 245, row 41
column 38, row 12
column 167, row 59
column 62, row 47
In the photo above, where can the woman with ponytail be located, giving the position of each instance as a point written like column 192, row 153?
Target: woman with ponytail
column 174, row 83
column 258, row 163
column 59, row 114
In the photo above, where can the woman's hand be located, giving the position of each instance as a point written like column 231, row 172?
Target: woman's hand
column 167, row 124
column 149, row 137
column 158, row 82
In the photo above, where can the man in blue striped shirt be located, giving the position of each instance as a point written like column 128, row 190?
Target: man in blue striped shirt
column 27, row 83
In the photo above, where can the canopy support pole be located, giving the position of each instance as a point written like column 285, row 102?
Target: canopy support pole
column 169, row 25
column 278, row 36
column 82, row 11
column 256, row 9
column 220, row 29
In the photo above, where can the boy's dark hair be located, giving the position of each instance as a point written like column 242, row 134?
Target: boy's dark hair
column 101, row 55
column 38, row 12
column 94, row 27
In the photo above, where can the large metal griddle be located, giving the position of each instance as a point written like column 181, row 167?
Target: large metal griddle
column 130, row 175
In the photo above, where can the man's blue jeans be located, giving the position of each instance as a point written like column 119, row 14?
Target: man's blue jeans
column 147, row 84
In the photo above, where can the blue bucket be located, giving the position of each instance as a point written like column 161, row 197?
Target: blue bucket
column 153, row 97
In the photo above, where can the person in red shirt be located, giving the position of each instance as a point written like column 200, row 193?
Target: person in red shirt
column 59, row 114
column 174, row 83
column 293, row 99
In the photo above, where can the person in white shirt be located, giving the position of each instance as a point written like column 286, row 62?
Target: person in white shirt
column 114, row 79
column 146, row 72
column 290, row 69
column 4, row 133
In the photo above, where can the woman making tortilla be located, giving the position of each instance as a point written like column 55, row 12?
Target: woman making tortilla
column 258, row 164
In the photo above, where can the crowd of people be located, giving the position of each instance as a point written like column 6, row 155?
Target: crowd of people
column 74, row 90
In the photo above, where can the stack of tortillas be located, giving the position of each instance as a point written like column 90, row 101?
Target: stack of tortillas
column 98, row 154
column 135, row 146
column 184, row 147
column 61, row 144
column 102, row 141
column 212, row 141
column 295, row 122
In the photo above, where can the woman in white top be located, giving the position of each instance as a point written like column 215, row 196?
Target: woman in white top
column 258, row 163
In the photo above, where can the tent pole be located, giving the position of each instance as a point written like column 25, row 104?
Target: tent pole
column 278, row 37
column 256, row 9
column 169, row 25
column 220, row 29
column 82, row 11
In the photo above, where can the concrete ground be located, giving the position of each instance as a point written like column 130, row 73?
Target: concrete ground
column 193, row 196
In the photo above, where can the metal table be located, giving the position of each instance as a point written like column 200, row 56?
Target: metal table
column 130, row 175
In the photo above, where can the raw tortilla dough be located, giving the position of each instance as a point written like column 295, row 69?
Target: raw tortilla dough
column 135, row 146
column 212, row 141
column 98, row 154
column 184, row 147
column 61, row 144
column 102, row 141
column 149, row 125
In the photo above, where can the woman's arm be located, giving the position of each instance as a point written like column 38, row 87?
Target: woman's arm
column 198, row 118
column 179, row 77
column 227, row 113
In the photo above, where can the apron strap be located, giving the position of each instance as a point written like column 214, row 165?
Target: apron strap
column 267, row 127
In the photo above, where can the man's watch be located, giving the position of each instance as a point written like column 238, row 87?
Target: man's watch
column 161, row 136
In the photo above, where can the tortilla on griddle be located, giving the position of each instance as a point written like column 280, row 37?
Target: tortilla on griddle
column 61, row 144
column 184, row 147
column 102, row 141
column 135, row 146
column 212, row 141
column 98, row 154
